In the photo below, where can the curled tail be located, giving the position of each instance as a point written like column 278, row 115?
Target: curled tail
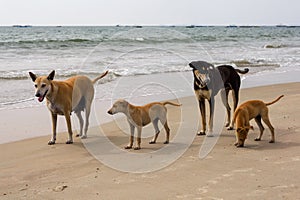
column 171, row 103
column 246, row 70
column 270, row 103
column 99, row 77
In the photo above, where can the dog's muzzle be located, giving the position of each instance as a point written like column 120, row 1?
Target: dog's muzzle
column 41, row 97
column 203, row 83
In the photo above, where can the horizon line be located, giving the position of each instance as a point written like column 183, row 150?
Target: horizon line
column 149, row 25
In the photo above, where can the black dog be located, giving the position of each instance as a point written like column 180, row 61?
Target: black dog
column 208, row 81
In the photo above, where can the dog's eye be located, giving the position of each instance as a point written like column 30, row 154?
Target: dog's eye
column 35, row 85
column 43, row 85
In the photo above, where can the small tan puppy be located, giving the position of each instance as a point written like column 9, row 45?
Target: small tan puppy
column 63, row 97
column 139, row 116
column 245, row 112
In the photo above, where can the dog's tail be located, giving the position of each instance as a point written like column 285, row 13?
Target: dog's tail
column 170, row 103
column 99, row 77
column 270, row 103
column 246, row 70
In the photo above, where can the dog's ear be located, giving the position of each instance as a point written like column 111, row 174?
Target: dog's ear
column 191, row 65
column 32, row 76
column 51, row 75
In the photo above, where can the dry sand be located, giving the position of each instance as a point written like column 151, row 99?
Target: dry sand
column 30, row 169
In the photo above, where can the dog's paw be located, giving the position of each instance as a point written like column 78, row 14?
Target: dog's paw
column 201, row 133
column 236, row 143
column 152, row 142
column 257, row 139
column 51, row 142
column 83, row 137
column 230, row 128
column 271, row 141
column 69, row 142
column 128, row 147
column 227, row 124
column 210, row 134
column 136, row 148
column 166, row 142
column 239, row 145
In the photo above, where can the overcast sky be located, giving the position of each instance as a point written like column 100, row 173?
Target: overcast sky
column 150, row 12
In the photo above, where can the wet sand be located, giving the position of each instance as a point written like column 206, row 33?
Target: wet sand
column 30, row 169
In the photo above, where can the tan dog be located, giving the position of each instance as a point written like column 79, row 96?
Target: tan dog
column 139, row 116
column 63, row 97
column 245, row 112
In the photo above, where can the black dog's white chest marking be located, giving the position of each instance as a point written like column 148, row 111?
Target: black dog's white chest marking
column 206, row 94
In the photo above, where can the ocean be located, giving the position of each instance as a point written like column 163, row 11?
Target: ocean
column 134, row 52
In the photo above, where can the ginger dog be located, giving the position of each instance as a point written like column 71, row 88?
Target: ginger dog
column 139, row 116
column 245, row 112
column 63, row 97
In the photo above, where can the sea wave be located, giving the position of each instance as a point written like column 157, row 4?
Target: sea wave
column 122, row 40
column 16, row 102
column 113, row 73
column 132, row 69
column 36, row 41
column 60, row 73
column 274, row 46
column 254, row 63
column 47, row 43
column 78, row 42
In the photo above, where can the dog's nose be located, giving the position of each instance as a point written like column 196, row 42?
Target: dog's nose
column 109, row 112
column 37, row 94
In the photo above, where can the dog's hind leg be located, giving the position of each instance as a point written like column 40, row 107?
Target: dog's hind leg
column 80, row 119
column 155, row 124
column 235, row 96
column 87, row 119
column 167, row 132
column 265, row 118
column 224, row 96
column 54, row 123
column 164, row 122
column 261, row 127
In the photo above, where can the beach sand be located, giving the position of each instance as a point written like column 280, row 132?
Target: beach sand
column 30, row 169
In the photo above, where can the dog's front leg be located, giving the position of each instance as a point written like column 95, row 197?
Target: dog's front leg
column 129, row 146
column 54, row 123
column 203, row 116
column 211, row 116
column 68, row 121
column 138, row 140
